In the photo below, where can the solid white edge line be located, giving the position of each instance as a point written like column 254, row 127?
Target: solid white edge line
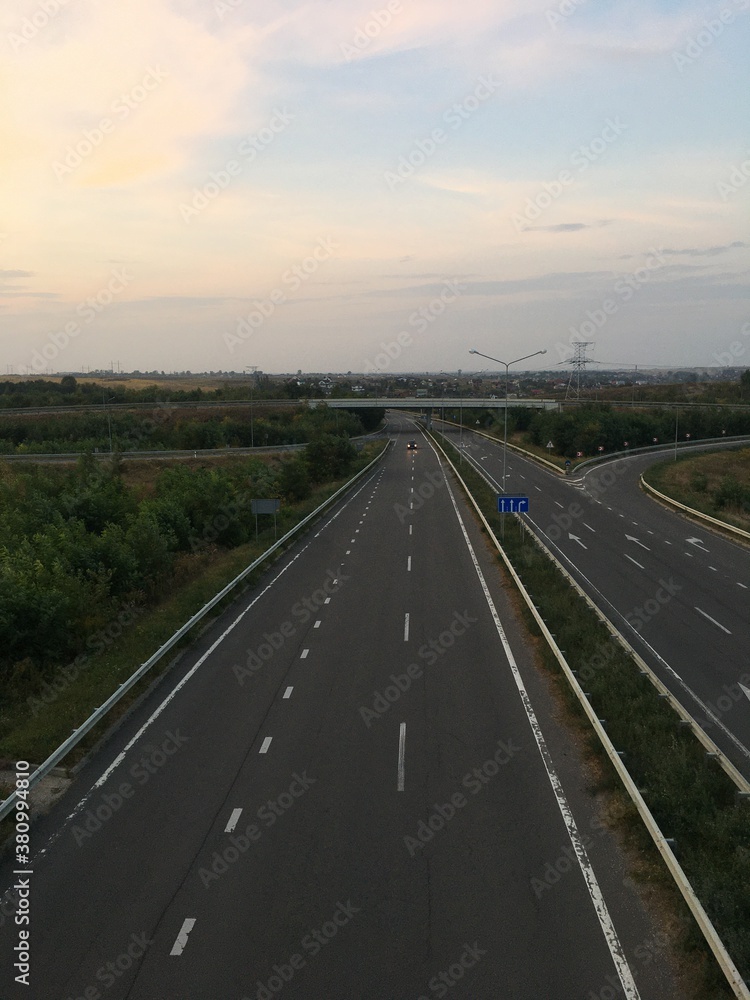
column 401, row 756
column 199, row 663
column 624, row 973
column 233, row 820
column 179, row 946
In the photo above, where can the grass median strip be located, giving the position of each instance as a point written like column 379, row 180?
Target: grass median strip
column 691, row 798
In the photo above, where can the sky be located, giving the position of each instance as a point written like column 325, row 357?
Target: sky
column 337, row 186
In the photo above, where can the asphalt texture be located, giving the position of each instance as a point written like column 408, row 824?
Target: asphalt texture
column 355, row 785
column 678, row 591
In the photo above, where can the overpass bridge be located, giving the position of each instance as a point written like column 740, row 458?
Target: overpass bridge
column 428, row 404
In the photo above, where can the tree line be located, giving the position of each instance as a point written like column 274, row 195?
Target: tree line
column 81, row 547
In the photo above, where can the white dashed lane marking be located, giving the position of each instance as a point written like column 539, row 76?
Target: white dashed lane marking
column 233, row 819
column 179, row 946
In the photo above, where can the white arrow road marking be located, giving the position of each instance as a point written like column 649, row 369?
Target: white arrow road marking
column 630, row 538
column 233, row 819
column 697, row 543
column 713, row 620
column 633, row 561
column 577, row 539
column 401, row 756
column 179, row 946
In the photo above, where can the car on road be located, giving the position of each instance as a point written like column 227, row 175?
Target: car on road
column 411, row 446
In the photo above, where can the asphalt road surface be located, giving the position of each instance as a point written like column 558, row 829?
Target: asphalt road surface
column 355, row 785
column 679, row 592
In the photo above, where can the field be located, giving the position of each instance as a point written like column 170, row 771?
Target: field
column 717, row 484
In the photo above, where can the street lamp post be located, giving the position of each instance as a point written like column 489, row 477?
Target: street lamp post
column 507, row 365
column 106, row 400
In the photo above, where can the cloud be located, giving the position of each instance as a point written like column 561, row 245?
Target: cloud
column 568, row 227
column 698, row 251
column 162, row 80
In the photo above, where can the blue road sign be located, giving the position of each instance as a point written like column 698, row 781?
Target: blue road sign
column 512, row 504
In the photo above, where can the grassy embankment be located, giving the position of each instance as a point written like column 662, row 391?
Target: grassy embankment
column 717, row 484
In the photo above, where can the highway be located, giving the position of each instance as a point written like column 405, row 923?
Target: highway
column 355, row 785
column 679, row 592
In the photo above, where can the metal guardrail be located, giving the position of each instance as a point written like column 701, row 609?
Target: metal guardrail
column 722, row 956
column 645, row 449
column 737, row 439
column 722, row 525
column 271, row 449
column 54, row 759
